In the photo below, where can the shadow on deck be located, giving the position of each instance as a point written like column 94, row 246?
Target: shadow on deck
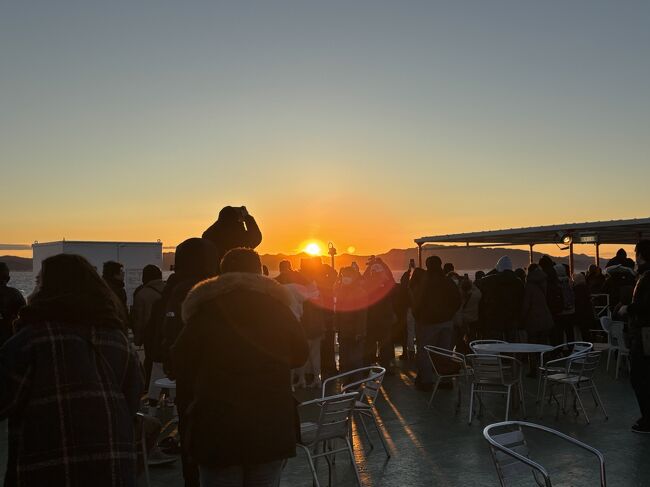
column 437, row 447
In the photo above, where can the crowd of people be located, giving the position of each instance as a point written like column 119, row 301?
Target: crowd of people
column 71, row 381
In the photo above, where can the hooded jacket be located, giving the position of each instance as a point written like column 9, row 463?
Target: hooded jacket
column 240, row 341
column 535, row 313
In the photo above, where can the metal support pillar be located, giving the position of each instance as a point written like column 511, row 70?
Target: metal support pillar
column 597, row 254
column 531, row 253
column 571, row 266
column 420, row 255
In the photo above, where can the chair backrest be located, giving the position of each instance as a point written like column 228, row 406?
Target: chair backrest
column 494, row 369
column 574, row 348
column 368, row 387
column 580, row 347
column 617, row 337
column 584, row 365
column 511, row 453
column 605, row 321
column 510, row 440
column 446, row 358
column 482, row 342
column 334, row 416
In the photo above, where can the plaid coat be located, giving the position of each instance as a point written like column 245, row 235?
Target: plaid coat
column 71, row 393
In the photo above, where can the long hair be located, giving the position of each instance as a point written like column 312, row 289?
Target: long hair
column 71, row 291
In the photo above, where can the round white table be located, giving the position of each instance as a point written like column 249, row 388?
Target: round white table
column 166, row 383
column 497, row 348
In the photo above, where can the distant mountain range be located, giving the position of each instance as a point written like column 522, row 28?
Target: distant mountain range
column 463, row 258
column 18, row 264
column 397, row 259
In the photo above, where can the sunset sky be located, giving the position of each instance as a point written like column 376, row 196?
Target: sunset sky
column 364, row 123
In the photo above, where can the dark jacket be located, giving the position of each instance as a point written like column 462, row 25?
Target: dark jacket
column 350, row 319
column 144, row 299
column 535, row 313
column 437, row 300
column 639, row 308
column 501, row 300
column 117, row 287
column 619, row 285
column 229, row 234
column 11, row 301
column 71, row 393
column 584, row 307
column 239, row 344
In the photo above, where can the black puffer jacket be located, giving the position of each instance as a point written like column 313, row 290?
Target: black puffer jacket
column 240, row 341
column 535, row 313
column 438, row 298
column 501, row 302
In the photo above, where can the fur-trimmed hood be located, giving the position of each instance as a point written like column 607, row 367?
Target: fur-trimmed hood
column 235, row 281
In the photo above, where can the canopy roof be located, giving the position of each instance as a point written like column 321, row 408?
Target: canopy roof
column 605, row 232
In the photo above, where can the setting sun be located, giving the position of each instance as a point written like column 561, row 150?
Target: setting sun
column 313, row 249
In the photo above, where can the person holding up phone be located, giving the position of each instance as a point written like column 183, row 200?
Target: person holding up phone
column 234, row 228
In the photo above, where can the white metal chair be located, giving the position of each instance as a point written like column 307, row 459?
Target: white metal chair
column 495, row 374
column 612, row 345
column 617, row 339
column 511, row 453
column 451, row 359
column 368, row 388
column 333, row 423
column 578, row 375
column 482, row 342
column 573, row 348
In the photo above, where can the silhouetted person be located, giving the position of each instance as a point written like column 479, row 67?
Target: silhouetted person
column 70, row 384
column 144, row 297
column 195, row 261
column 639, row 315
column 447, row 268
column 536, row 317
column 595, row 279
column 501, row 300
column 565, row 319
column 521, row 274
column 350, row 319
column 113, row 274
column 402, row 334
column 619, row 285
column 621, row 258
column 470, row 307
column 323, row 276
column 288, row 276
column 380, row 286
column 585, row 316
column 234, row 228
column 11, row 302
column 239, row 344
column 554, row 294
column 436, row 299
